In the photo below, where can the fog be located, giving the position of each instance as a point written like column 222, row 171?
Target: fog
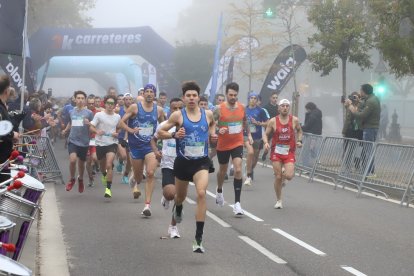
column 197, row 20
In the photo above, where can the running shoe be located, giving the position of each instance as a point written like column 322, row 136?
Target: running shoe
column 237, row 209
column 248, row 181
column 219, row 199
column 91, row 182
column 173, row 232
column 70, row 184
column 279, row 204
column 81, row 187
column 165, row 203
column 108, row 193
column 125, row 180
column 198, row 247
column 103, row 180
column 178, row 217
column 147, row 211
column 136, row 193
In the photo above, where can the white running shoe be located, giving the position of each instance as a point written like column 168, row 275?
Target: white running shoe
column 147, row 211
column 278, row 204
column 237, row 209
column 165, row 203
column 219, row 199
column 173, row 232
column 248, row 181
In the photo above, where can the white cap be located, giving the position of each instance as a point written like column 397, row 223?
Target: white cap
column 284, row 101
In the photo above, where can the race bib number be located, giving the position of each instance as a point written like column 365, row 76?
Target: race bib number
column 77, row 122
column 235, row 128
column 194, row 150
column 146, row 131
column 171, row 150
column 253, row 128
column 92, row 142
column 282, row 149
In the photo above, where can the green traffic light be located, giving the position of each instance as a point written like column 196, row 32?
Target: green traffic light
column 269, row 13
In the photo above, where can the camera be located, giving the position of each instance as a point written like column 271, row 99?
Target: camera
column 353, row 98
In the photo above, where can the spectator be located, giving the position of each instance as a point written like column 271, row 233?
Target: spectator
column 313, row 119
column 352, row 125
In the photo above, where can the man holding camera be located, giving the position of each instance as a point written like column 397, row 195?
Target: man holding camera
column 352, row 125
column 369, row 112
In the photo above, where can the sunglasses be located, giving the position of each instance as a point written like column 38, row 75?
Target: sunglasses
column 110, row 103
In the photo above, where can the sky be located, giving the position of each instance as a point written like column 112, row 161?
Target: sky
column 161, row 15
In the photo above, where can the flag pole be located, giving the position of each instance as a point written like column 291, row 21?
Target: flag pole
column 23, row 88
column 216, row 61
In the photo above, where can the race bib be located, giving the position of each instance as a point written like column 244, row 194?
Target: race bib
column 282, row 149
column 235, row 128
column 92, row 142
column 77, row 122
column 146, row 131
column 253, row 128
column 171, row 150
column 194, row 150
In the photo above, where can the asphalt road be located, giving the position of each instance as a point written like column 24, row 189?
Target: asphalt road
column 320, row 231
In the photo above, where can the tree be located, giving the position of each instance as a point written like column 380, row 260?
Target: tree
column 394, row 40
column 193, row 61
column 58, row 13
column 247, row 21
column 343, row 34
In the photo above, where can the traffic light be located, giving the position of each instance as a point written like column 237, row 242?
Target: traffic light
column 269, row 9
column 380, row 88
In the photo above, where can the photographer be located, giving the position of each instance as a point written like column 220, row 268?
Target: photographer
column 352, row 125
column 369, row 112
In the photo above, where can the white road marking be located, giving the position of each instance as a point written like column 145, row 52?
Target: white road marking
column 250, row 215
column 298, row 241
column 218, row 220
column 352, row 270
column 211, row 194
column 262, row 250
column 189, row 200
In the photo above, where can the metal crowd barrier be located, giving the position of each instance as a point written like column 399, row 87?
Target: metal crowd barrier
column 47, row 169
column 307, row 155
column 329, row 159
column 392, row 170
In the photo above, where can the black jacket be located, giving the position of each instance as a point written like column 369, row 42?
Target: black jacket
column 272, row 110
column 6, row 143
column 313, row 122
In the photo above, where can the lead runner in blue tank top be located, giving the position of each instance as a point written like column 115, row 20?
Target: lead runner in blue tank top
column 195, row 127
column 140, row 121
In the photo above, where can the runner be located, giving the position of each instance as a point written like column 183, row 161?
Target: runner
column 123, row 149
column 78, row 140
column 167, row 156
column 105, row 126
column 257, row 119
column 283, row 147
column 91, row 157
column 142, row 121
column 231, row 120
column 195, row 127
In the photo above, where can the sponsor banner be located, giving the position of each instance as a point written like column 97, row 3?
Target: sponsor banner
column 13, row 66
column 282, row 70
column 12, row 14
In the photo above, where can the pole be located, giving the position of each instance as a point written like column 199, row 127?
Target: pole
column 23, row 87
column 295, row 94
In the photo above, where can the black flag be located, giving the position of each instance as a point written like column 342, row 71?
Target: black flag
column 12, row 15
column 282, row 70
column 13, row 66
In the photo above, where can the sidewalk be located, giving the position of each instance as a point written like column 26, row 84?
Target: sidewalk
column 45, row 251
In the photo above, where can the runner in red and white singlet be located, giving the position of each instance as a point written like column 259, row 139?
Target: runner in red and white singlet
column 284, row 142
